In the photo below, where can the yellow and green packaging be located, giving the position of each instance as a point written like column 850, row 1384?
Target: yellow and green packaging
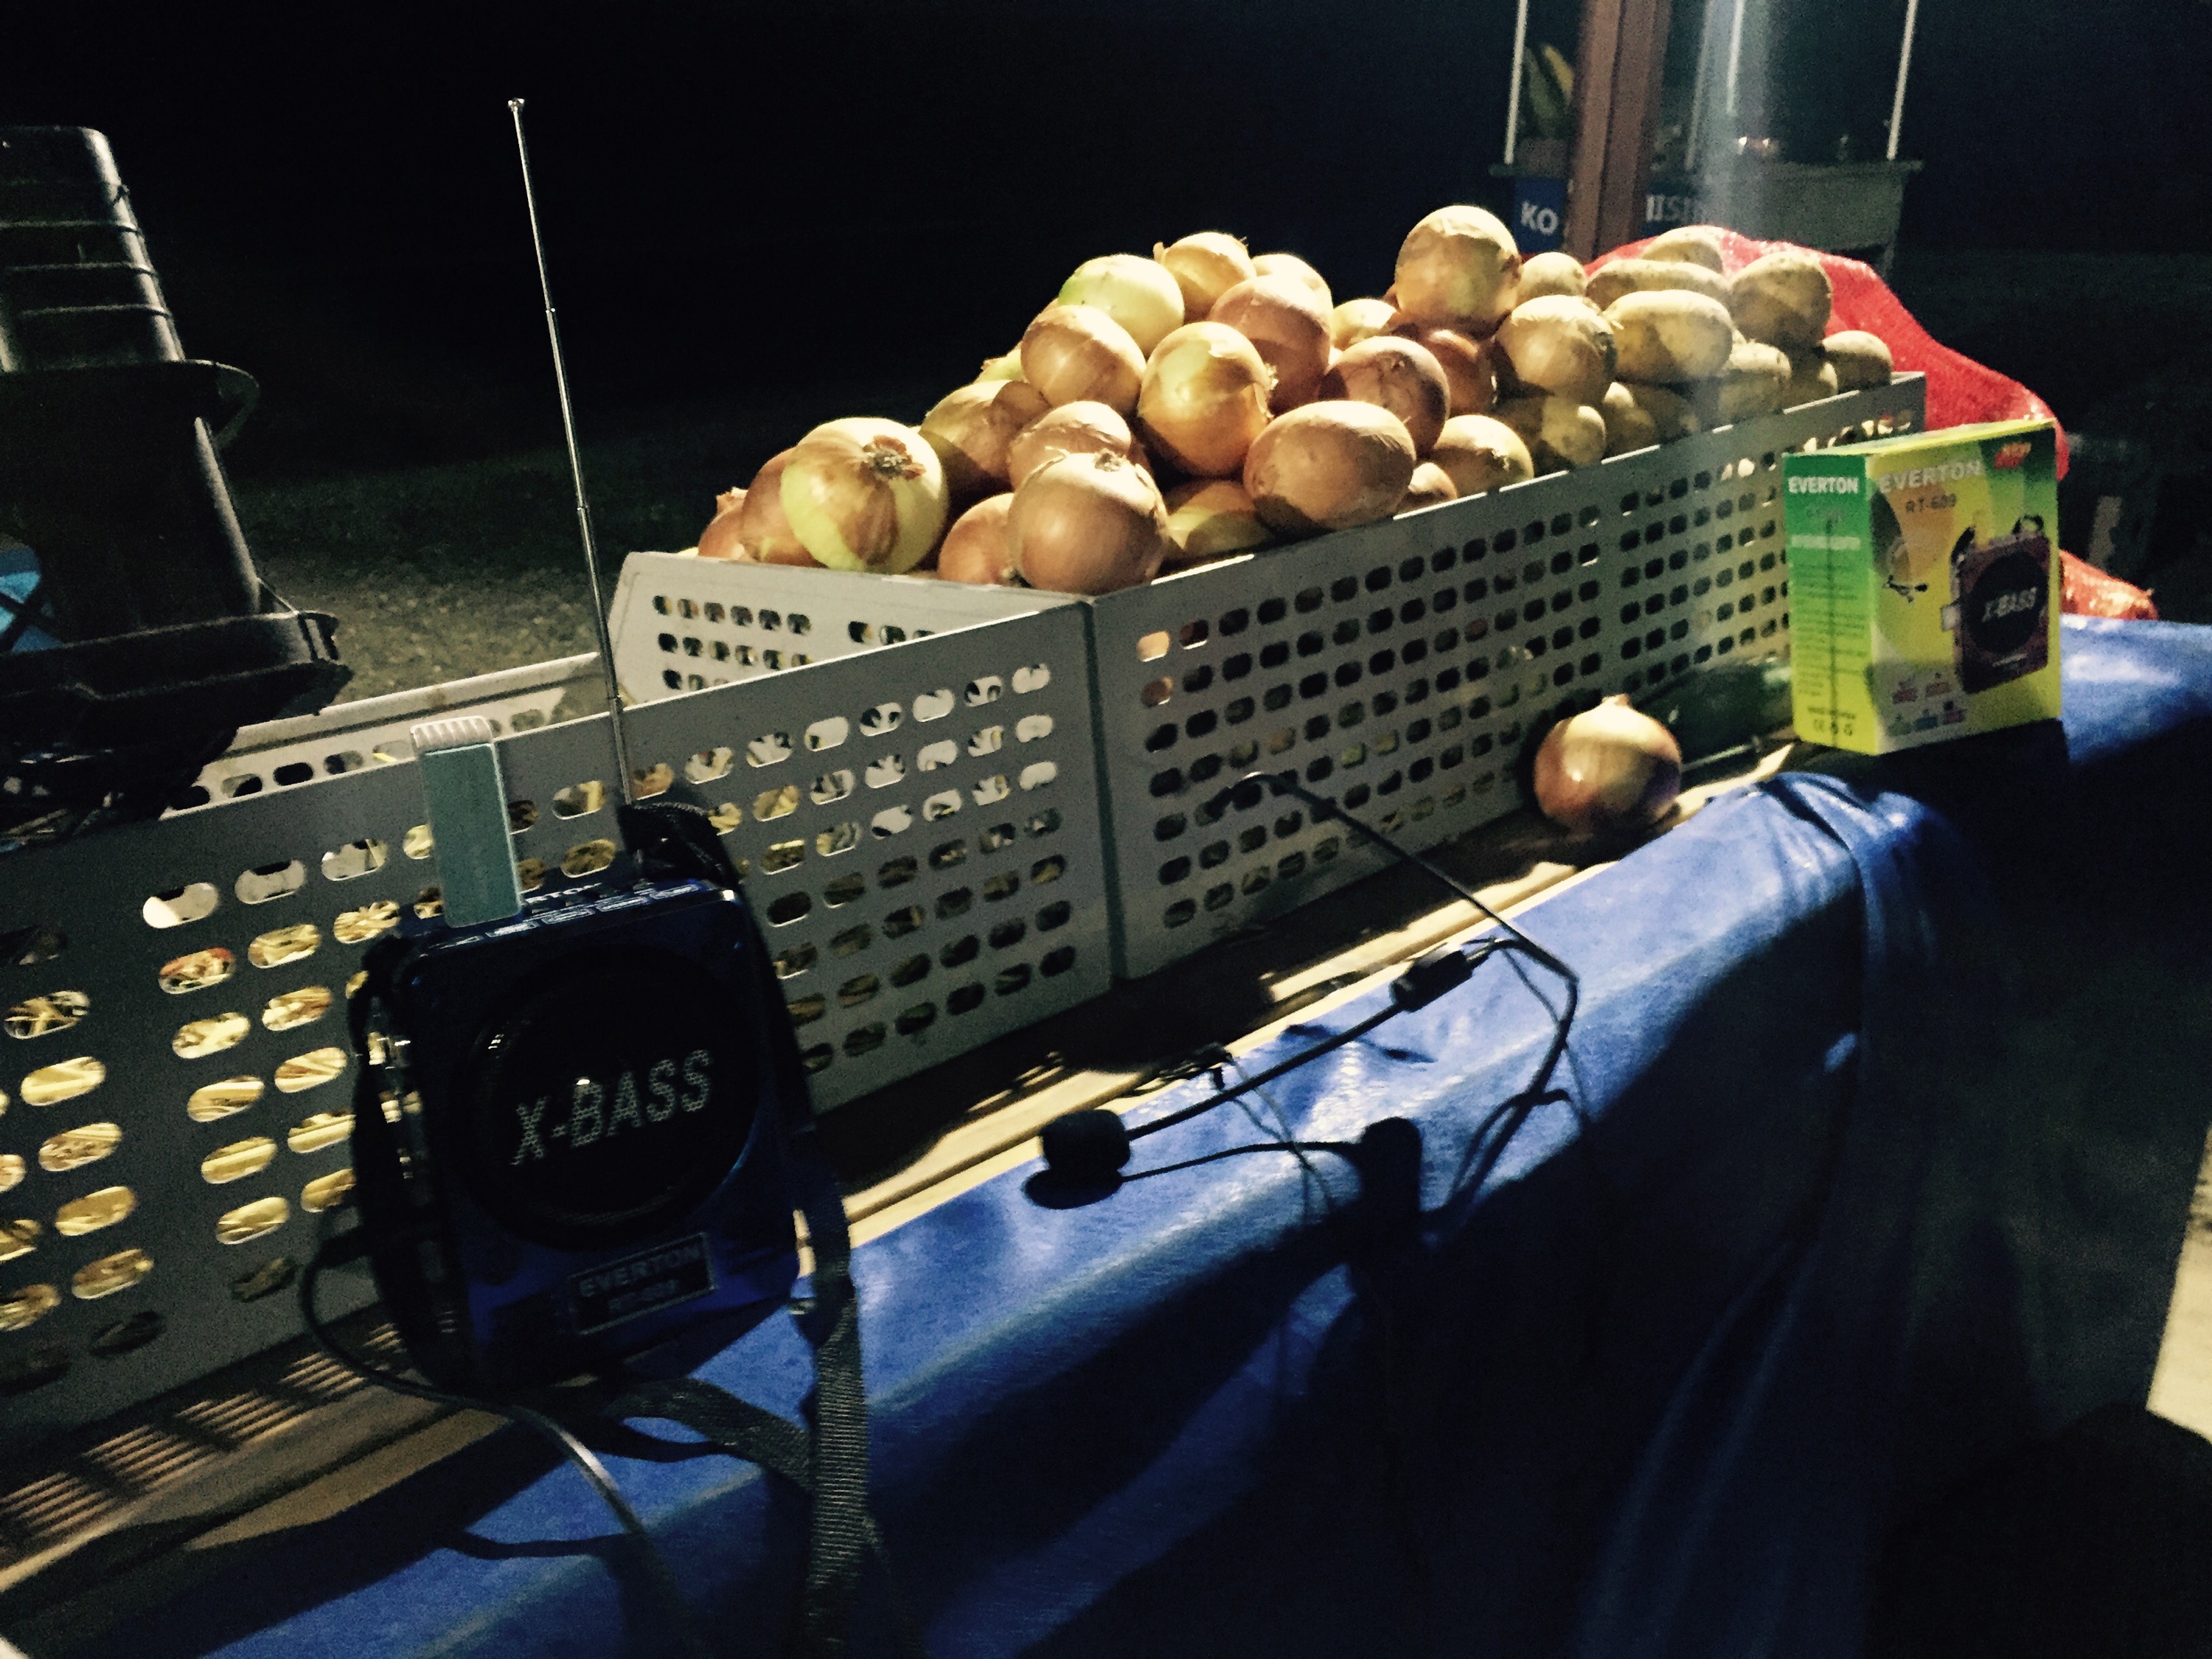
column 1924, row 586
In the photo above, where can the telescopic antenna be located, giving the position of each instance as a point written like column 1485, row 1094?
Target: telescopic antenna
column 575, row 469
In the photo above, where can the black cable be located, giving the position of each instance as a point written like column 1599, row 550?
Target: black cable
column 656, row 1569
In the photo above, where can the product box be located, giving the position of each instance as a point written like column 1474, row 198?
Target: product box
column 1924, row 586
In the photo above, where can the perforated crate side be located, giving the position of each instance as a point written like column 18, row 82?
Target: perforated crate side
column 689, row 624
column 921, row 825
column 1401, row 666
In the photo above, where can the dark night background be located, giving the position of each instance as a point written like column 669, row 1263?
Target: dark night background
column 760, row 216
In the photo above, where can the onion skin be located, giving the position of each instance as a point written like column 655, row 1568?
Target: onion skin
column 1431, row 486
column 1478, row 454
column 1470, row 369
column 1078, row 429
column 865, row 494
column 975, row 549
column 1608, row 770
column 763, row 529
column 1289, row 325
column 1329, row 467
column 1290, row 265
column 1459, row 268
column 1206, row 266
column 1205, row 400
column 1087, row 524
column 1141, row 294
column 1399, row 375
column 1355, row 321
column 1212, row 518
column 972, row 428
column 1561, row 345
column 720, row 539
column 1008, row 368
column 1078, row 354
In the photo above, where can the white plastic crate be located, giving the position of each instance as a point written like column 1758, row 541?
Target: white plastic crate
column 920, row 828
column 1401, row 666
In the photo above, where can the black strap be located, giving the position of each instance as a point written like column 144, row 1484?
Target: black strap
column 674, row 839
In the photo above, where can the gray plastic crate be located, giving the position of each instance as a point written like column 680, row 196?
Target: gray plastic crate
column 1399, row 666
column 920, row 828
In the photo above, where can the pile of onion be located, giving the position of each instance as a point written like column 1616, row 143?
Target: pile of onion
column 762, row 530
column 1205, row 400
column 1075, row 353
column 720, row 539
column 1399, row 375
column 1210, row 518
column 865, row 494
column 1289, row 325
column 1076, row 428
column 1329, row 467
column 975, row 549
column 1459, row 268
column 1610, row 769
column 1141, row 294
column 1205, row 266
column 971, row 429
column 1087, row 524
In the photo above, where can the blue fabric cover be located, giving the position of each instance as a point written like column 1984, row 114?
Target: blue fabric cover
column 1828, row 1221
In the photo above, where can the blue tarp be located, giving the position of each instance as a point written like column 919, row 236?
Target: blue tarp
column 1885, row 1111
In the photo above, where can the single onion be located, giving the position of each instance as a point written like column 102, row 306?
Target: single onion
column 1210, row 518
column 970, row 429
column 1459, row 268
column 1205, row 266
column 1079, row 428
column 1398, row 375
column 1479, row 453
column 1077, row 352
column 975, row 547
column 1087, row 524
column 1360, row 319
column 763, row 529
column 1008, row 368
column 1561, row 344
column 1551, row 273
column 720, row 540
column 1431, row 486
column 1204, row 399
column 1289, row 264
column 1141, row 294
column 1470, row 369
column 1281, row 317
column 1611, row 768
column 865, row 494
column 1329, row 467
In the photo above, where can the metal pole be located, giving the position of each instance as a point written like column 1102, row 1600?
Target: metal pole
column 1903, row 65
column 575, row 469
column 1513, row 92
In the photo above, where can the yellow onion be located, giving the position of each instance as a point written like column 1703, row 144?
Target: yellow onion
column 1329, row 467
column 1610, row 769
column 1289, row 264
column 1210, row 518
column 1360, row 319
column 762, row 530
column 1087, row 524
column 1079, row 428
column 1559, row 344
column 1281, row 317
column 1205, row 266
column 1459, row 268
column 865, row 494
column 1398, row 375
column 1470, row 369
column 1431, row 486
column 975, row 549
column 720, row 540
column 1479, row 453
column 1008, row 368
column 1204, row 399
column 1551, row 273
column 1559, row 431
column 970, row 429
column 1141, row 294
column 1077, row 352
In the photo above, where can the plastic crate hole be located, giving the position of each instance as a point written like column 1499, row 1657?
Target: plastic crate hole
column 109, row 1274
column 790, row 907
column 289, row 1009
column 330, row 1191
column 1034, row 678
column 956, row 903
column 1008, row 980
column 219, row 1100
column 795, row 961
column 1042, row 823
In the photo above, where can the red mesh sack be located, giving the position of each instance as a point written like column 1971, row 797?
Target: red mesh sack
column 1960, row 391
column 2091, row 593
